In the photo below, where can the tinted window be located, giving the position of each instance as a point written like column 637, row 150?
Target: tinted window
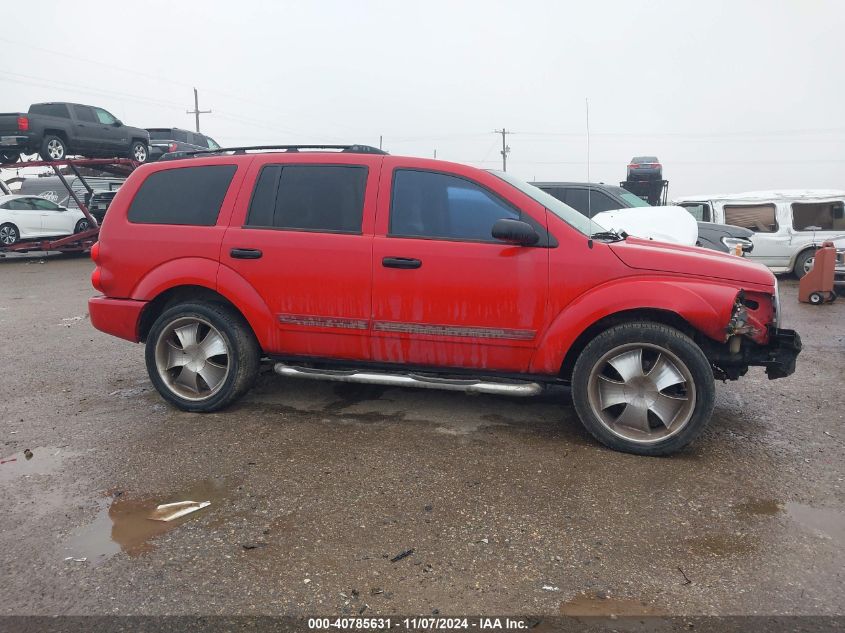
column 644, row 159
column 760, row 218
column 428, row 204
column 44, row 204
column 20, row 204
column 328, row 198
column 827, row 216
column 104, row 117
column 179, row 136
column 187, row 195
column 84, row 113
column 50, row 109
column 160, row 135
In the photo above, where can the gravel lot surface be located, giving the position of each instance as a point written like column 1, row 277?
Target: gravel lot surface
column 505, row 505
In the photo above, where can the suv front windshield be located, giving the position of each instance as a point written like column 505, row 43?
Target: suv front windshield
column 633, row 199
column 566, row 213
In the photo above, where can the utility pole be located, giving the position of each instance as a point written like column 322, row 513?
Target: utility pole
column 505, row 149
column 380, row 137
column 435, row 154
column 196, row 111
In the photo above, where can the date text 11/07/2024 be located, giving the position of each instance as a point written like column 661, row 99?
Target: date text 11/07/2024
column 418, row 623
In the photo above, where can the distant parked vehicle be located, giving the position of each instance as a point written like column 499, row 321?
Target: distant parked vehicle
column 52, row 188
column 99, row 204
column 787, row 226
column 31, row 217
column 172, row 139
column 717, row 237
column 58, row 130
column 645, row 168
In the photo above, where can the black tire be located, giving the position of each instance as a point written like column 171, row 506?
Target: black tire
column 9, row 157
column 243, row 352
column 816, row 298
column 651, row 335
column 139, row 152
column 82, row 225
column 9, row 234
column 53, row 148
column 801, row 261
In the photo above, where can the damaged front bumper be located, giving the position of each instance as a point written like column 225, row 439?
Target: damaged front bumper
column 778, row 356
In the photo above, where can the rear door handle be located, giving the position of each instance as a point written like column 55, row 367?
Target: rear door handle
column 245, row 253
column 401, row 262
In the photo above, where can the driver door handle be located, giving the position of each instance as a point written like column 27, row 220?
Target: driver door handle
column 245, row 253
column 401, row 262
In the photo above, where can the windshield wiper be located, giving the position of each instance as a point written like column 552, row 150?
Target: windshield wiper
column 609, row 236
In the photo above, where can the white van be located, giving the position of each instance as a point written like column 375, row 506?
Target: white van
column 787, row 225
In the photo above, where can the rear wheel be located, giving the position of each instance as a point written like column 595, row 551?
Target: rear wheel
column 53, row 148
column 643, row 388
column 804, row 263
column 9, row 234
column 816, row 298
column 201, row 356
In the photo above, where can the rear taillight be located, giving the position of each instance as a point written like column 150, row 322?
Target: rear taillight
column 23, row 123
column 95, row 252
column 657, row 165
column 171, row 147
column 95, row 280
column 633, row 166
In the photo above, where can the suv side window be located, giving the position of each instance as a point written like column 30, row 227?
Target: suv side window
column 827, row 216
column 183, row 195
column 84, row 113
column 50, row 109
column 434, row 205
column 321, row 198
column 760, row 218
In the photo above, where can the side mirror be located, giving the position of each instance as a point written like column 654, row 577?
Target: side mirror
column 515, row 232
column 117, row 123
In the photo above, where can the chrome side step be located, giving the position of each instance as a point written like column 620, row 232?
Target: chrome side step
column 469, row 385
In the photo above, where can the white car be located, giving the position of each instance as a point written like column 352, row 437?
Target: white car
column 788, row 225
column 31, row 217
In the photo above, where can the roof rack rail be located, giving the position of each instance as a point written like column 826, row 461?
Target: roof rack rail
column 352, row 149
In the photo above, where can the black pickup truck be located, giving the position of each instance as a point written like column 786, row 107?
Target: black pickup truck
column 56, row 130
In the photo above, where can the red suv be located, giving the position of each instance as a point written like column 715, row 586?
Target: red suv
column 357, row 266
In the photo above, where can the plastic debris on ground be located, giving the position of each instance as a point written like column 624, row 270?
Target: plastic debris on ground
column 171, row 511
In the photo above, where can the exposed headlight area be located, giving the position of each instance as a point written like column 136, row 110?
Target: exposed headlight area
column 732, row 242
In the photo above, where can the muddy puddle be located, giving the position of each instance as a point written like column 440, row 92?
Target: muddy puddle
column 41, row 460
column 122, row 523
column 758, row 507
column 825, row 521
column 601, row 604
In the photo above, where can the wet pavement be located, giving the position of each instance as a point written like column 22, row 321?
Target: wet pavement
column 507, row 504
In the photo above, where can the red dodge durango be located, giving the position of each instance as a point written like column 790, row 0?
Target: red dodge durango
column 344, row 263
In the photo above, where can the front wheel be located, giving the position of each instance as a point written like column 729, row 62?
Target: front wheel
column 139, row 152
column 201, row 356
column 643, row 388
column 82, row 225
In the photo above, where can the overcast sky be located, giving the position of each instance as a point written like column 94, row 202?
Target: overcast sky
column 730, row 95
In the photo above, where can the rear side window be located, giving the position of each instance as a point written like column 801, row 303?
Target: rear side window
column 187, row 195
column 84, row 113
column 825, row 216
column 760, row 218
column 50, row 109
column 433, row 205
column 323, row 198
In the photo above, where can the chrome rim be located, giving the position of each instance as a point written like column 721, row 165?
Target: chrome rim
column 642, row 392
column 808, row 265
column 8, row 235
column 55, row 149
column 82, row 226
column 192, row 358
column 140, row 153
